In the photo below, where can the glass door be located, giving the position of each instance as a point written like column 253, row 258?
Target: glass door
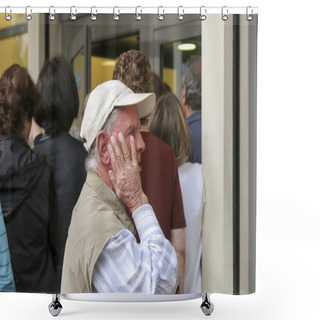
column 104, row 53
column 174, row 45
column 174, row 55
column 76, row 48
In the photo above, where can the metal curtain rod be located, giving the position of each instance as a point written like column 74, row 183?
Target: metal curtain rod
column 138, row 11
column 127, row 10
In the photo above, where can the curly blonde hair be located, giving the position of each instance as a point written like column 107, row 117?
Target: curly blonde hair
column 134, row 70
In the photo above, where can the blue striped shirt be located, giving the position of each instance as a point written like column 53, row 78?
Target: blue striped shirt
column 124, row 266
column 6, row 277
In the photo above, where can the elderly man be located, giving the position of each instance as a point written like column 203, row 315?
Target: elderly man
column 102, row 254
column 159, row 174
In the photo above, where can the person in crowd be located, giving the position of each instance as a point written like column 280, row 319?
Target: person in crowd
column 167, row 122
column 159, row 87
column 159, row 174
column 102, row 254
column 26, row 189
column 6, row 275
column 58, row 107
column 191, row 103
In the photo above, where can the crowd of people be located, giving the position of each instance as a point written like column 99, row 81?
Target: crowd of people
column 120, row 212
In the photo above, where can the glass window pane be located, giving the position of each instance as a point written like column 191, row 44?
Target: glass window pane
column 104, row 54
column 78, row 66
column 14, row 50
column 174, row 55
column 16, row 19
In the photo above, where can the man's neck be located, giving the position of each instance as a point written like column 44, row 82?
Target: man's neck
column 103, row 174
column 189, row 112
column 144, row 128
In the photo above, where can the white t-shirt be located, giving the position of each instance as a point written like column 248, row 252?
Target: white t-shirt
column 191, row 182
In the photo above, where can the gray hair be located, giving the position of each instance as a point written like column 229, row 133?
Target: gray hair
column 191, row 78
column 93, row 158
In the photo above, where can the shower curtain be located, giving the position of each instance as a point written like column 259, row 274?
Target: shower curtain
column 220, row 240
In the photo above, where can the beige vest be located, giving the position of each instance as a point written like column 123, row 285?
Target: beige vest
column 97, row 216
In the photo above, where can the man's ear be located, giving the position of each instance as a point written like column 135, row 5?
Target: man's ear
column 102, row 147
column 184, row 97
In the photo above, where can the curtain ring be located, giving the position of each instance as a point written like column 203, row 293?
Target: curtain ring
column 116, row 15
column 51, row 13
column 6, row 15
column 180, row 13
column 160, row 15
column 224, row 13
column 249, row 16
column 137, row 15
column 73, row 13
column 203, row 13
column 93, row 16
column 28, row 16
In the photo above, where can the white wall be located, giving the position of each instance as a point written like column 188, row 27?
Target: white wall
column 288, row 210
column 36, row 42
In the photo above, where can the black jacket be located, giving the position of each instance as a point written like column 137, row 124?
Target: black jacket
column 28, row 204
column 66, row 155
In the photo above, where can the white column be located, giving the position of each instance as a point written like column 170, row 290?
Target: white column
column 229, row 154
column 217, row 154
column 36, row 45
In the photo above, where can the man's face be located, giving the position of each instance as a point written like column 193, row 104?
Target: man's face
column 128, row 123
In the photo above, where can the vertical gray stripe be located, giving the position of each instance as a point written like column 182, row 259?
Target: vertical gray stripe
column 236, row 154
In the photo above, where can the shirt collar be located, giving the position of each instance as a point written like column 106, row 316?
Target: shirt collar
column 103, row 190
column 195, row 116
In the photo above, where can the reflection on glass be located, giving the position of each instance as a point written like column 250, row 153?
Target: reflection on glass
column 16, row 19
column 13, row 42
column 78, row 66
column 104, row 54
column 173, row 57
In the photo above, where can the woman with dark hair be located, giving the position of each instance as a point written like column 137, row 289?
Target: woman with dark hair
column 159, row 87
column 26, row 196
column 55, row 113
column 167, row 122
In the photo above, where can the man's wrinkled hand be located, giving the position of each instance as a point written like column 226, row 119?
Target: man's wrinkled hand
column 125, row 176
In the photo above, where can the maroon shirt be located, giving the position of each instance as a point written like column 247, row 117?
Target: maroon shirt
column 160, row 183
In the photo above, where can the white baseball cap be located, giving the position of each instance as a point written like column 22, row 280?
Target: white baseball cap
column 103, row 99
